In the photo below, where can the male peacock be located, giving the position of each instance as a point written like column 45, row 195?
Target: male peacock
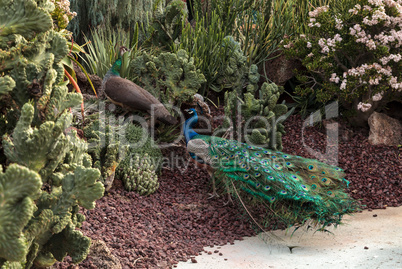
column 293, row 189
column 130, row 96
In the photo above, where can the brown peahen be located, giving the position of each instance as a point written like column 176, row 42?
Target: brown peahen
column 293, row 190
column 132, row 97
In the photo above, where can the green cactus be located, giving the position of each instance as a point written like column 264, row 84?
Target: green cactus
column 56, row 211
column 19, row 188
column 38, row 225
column 113, row 144
column 139, row 175
column 41, row 150
column 171, row 77
column 233, row 73
column 261, row 116
column 7, row 84
column 166, row 25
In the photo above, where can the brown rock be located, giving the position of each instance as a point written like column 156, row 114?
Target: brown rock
column 102, row 257
column 384, row 130
column 280, row 69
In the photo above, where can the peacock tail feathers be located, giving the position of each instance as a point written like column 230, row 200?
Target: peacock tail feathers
column 293, row 189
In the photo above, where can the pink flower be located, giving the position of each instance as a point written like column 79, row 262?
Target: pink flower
column 363, row 107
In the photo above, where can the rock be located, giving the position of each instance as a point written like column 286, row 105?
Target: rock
column 280, row 69
column 384, row 130
column 102, row 257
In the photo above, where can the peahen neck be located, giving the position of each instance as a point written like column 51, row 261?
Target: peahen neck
column 189, row 133
column 114, row 71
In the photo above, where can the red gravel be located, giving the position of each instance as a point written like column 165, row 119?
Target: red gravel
column 374, row 172
column 176, row 222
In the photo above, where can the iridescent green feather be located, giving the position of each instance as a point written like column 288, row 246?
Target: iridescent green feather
column 295, row 190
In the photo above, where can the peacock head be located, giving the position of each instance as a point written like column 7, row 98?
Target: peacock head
column 191, row 115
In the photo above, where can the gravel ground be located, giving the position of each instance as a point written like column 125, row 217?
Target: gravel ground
column 176, row 222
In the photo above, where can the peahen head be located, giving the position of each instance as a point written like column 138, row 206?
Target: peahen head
column 192, row 119
column 115, row 69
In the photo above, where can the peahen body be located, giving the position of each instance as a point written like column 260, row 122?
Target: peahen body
column 293, row 189
column 132, row 97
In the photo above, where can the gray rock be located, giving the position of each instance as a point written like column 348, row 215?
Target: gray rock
column 384, row 130
column 102, row 257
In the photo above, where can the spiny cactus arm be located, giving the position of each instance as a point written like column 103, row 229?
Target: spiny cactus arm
column 34, row 148
column 77, row 153
column 82, row 186
column 71, row 242
column 253, row 74
column 23, row 17
column 60, row 100
column 7, row 84
column 19, row 186
column 251, row 106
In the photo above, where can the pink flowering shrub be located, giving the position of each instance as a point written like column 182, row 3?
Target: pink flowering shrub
column 352, row 55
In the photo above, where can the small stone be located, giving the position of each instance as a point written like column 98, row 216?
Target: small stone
column 209, row 252
column 216, row 251
column 365, row 247
column 193, row 260
column 375, row 215
column 220, row 254
column 225, row 259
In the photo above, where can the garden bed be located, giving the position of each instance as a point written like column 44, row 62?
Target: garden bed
column 176, row 222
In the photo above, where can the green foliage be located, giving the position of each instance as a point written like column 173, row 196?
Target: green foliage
column 113, row 144
column 203, row 43
column 104, row 45
column 166, row 25
column 96, row 14
column 261, row 27
column 38, row 225
column 170, row 77
column 350, row 53
column 139, row 175
column 261, row 118
column 232, row 75
column 258, row 25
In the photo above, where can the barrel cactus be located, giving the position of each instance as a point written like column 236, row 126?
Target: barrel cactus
column 140, row 176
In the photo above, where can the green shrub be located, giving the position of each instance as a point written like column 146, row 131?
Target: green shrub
column 104, row 45
column 351, row 53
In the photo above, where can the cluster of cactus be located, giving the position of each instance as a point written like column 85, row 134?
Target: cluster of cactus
column 139, row 175
column 171, row 77
column 112, row 144
column 167, row 23
column 48, row 174
column 261, row 118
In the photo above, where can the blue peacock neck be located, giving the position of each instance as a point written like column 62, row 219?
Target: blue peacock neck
column 188, row 131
